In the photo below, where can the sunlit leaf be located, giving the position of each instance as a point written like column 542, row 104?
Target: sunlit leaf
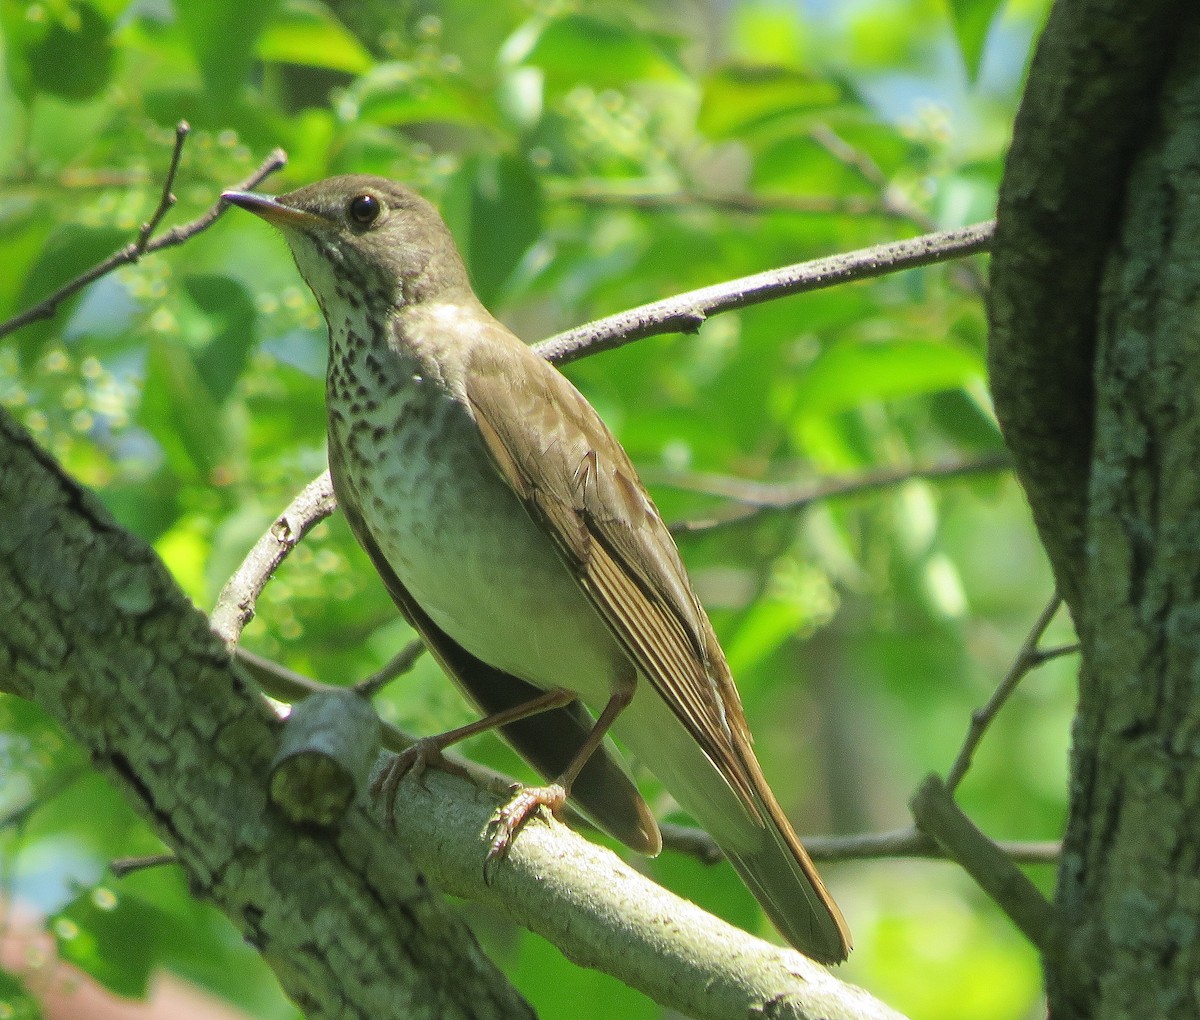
column 306, row 32
column 581, row 48
column 743, row 98
column 972, row 19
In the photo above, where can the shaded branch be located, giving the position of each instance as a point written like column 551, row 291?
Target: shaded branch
column 942, row 820
column 757, row 499
column 1027, row 658
column 144, row 244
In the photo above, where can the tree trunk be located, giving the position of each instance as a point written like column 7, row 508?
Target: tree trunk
column 1095, row 359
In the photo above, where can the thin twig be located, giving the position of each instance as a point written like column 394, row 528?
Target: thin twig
column 754, row 204
column 910, row 842
column 122, row 867
column 981, row 718
column 166, row 201
column 757, row 499
column 685, row 313
column 235, row 605
column 143, row 245
column 398, row 665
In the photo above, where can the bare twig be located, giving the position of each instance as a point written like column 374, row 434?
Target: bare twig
column 166, row 201
column 756, row 499
column 939, row 817
column 235, row 605
column 865, row 846
column 755, row 204
column 685, row 313
column 398, row 665
column 1026, row 659
column 143, row 245
column 122, row 867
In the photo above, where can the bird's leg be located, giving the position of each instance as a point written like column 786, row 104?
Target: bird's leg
column 508, row 820
column 428, row 750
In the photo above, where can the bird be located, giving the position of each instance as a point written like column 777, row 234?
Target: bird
column 513, row 533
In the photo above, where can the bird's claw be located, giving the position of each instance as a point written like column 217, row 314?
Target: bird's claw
column 415, row 759
column 509, row 818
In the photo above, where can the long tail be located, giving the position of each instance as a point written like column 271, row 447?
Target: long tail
column 765, row 851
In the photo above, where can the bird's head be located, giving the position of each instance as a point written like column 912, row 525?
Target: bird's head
column 364, row 236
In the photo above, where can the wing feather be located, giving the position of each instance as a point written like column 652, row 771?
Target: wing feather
column 577, row 480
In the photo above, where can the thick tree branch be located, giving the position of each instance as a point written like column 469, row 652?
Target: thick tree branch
column 93, row 629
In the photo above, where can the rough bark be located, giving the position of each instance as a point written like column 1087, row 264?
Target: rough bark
column 1095, row 355
column 93, row 629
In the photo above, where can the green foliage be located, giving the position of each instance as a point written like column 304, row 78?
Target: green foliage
column 588, row 158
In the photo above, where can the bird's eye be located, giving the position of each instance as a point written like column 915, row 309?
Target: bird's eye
column 364, row 209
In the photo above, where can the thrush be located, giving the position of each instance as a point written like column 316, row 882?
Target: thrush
column 513, row 533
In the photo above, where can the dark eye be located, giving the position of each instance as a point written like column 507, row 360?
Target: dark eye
column 364, row 209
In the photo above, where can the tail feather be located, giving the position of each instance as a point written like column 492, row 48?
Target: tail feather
column 760, row 843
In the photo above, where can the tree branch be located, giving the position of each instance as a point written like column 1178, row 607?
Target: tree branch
column 235, row 605
column 754, row 500
column 1027, row 658
column 143, row 245
column 685, row 313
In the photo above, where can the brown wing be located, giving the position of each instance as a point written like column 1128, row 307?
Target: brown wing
column 577, row 480
column 548, row 741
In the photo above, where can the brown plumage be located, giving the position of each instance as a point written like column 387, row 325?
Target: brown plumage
column 514, row 534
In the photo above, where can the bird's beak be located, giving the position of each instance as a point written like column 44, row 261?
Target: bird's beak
column 272, row 210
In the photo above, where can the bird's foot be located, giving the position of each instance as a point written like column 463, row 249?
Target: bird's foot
column 415, row 759
column 507, row 821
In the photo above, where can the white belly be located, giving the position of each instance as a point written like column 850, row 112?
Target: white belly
column 462, row 544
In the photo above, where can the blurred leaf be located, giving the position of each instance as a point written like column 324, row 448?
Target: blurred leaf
column 70, row 250
column 972, row 19
column 178, row 410
column 580, row 48
column 494, row 209
column 64, row 51
column 305, row 32
column 227, row 302
column 110, row 937
column 15, row 1002
column 399, row 93
column 847, row 374
column 741, row 99
column 222, row 35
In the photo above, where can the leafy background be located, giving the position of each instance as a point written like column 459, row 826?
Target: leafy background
column 589, row 157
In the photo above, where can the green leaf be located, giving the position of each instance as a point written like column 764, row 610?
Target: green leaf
column 494, row 209
column 222, row 35
column 581, row 48
column 179, row 411
column 742, row 99
column 398, row 93
column 971, row 20
column 847, row 374
column 307, row 33
column 224, row 357
column 110, row 937
column 65, row 51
